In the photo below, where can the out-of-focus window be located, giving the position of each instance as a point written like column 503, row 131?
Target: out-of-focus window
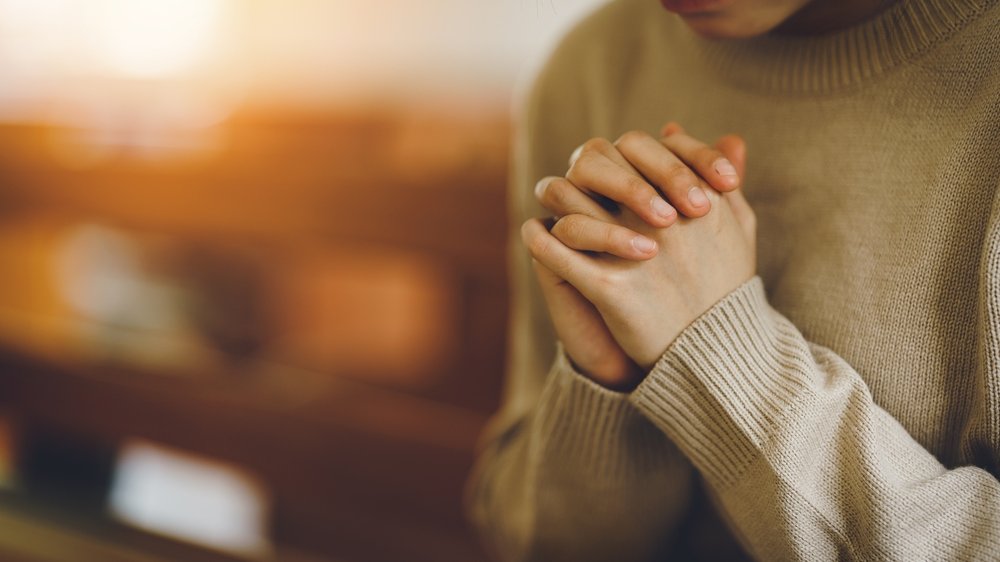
column 98, row 60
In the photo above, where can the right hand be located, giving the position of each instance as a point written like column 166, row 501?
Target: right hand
column 604, row 175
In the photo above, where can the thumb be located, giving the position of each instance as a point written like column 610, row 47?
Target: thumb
column 734, row 148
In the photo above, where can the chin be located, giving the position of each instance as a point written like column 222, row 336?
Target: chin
column 718, row 26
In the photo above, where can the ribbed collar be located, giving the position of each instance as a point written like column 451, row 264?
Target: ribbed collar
column 845, row 58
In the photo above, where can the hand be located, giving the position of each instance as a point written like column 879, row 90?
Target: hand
column 603, row 176
column 587, row 225
column 586, row 340
column 645, row 305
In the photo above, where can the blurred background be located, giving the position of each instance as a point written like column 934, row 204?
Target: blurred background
column 252, row 272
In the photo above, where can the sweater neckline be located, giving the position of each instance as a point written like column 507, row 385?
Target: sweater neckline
column 839, row 60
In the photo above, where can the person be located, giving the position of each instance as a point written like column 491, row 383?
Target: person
column 784, row 345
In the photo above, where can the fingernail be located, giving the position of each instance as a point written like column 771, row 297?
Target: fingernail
column 540, row 188
column 661, row 208
column 725, row 167
column 697, row 197
column 643, row 244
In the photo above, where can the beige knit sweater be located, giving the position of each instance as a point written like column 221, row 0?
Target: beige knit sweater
column 845, row 404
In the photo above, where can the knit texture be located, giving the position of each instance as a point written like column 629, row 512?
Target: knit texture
column 844, row 403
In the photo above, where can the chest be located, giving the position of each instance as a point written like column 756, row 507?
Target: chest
column 871, row 218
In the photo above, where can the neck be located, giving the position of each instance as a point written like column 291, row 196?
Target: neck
column 825, row 16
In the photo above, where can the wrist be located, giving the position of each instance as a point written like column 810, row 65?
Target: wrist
column 622, row 376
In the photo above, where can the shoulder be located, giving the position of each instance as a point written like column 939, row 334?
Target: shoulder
column 598, row 39
column 592, row 62
column 578, row 86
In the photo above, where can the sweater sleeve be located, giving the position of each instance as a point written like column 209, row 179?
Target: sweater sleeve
column 582, row 476
column 797, row 454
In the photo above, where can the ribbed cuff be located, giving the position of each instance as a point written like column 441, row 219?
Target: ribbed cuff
column 590, row 427
column 726, row 382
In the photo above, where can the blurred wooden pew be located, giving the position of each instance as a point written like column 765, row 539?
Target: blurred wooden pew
column 361, row 465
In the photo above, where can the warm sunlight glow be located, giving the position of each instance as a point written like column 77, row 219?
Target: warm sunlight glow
column 139, row 64
column 155, row 38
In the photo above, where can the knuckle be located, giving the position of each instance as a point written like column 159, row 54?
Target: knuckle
column 620, row 238
column 554, row 194
column 595, row 144
column 679, row 175
column 540, row 188
column 582, row 166
column 575, row 155
column 581, row 232
column 637, row 188
column 539, row 246
column 612, row 236
column 631, row 138
column 526, row 233
column 567, row 229
column 531, row 239
column 525, row 229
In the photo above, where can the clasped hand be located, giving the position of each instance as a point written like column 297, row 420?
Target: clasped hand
column 647, row 235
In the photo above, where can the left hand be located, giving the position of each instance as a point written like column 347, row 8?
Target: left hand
column 647, row 304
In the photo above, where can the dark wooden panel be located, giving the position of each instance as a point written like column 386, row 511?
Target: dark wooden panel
column 397, row 468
